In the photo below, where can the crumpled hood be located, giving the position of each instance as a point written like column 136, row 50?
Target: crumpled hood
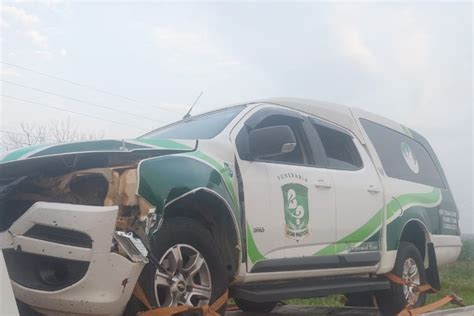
column 95, row 146
column 88, row 154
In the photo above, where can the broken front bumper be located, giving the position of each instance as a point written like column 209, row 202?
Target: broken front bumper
column 60, row 260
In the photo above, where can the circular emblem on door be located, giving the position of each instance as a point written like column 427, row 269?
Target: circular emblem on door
column 410, row 158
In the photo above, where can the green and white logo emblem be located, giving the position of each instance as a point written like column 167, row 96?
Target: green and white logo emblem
column 410, row 158
column 295, row 197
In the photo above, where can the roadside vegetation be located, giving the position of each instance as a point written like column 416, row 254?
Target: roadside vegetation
column 457, row 278
column 30, row 134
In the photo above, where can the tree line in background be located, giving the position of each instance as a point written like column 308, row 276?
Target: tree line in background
column 30, row 134
column 467, row 251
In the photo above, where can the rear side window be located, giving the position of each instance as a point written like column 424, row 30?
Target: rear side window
column 403, row 157
column 340, row 149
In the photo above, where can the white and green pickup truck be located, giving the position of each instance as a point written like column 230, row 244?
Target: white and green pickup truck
column 273, row 199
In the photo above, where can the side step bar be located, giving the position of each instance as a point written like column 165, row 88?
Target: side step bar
column 306, row 288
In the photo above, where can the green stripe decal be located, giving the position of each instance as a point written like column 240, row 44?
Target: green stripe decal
column 252, row 250
column 92, row 146
column 360, row 234
column 414, row 198
column 19, row 153
column 222, row 171
column 163, row 143
column 371, row 227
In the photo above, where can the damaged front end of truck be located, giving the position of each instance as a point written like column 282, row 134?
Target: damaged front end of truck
column 73, row 231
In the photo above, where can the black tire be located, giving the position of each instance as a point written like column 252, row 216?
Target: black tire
column 391, row 302
column 253, row 307
column 182, row 230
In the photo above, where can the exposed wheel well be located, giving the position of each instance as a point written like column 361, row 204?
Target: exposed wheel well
column 213, row 213
column 415, row 233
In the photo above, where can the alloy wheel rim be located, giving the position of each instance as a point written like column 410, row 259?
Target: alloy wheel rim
column 185, row 278
column 411, row 274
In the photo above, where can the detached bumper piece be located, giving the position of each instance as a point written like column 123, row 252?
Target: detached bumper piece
column 60, row 261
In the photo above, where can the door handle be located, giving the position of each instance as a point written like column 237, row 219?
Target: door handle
column 323, row 184
column 373, row 188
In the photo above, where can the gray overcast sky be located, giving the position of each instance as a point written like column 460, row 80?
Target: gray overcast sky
column 411, row 62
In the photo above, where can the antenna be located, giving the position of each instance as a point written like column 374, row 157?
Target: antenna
column 188, row 114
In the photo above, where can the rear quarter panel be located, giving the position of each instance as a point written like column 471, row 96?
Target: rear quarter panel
column 434, row 208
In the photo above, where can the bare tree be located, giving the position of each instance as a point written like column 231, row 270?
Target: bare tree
column 27, row 135
column 55, row 131
column 63, row 131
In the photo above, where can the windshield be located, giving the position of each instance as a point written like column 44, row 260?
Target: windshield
column 204, row 126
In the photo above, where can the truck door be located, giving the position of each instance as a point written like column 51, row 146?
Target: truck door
column 289, row 201
column 359, row 196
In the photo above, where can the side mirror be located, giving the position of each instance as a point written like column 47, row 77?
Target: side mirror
column 271, row 141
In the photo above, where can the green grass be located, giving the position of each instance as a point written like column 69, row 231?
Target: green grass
column 457, row 278
column 330, row 301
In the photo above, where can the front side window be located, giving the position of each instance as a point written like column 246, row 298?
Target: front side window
column 340, row 149
column 204, row 126
column 403, row 157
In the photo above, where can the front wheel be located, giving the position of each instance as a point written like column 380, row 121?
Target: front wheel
column 408, row 266
column 191, row 271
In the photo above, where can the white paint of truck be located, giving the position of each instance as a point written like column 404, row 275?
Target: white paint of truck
column 110, row 279
column 265, row 204
column 447, row 248
column 101, row 290
column 390, row 188
column 359, row 196
column 321, row 210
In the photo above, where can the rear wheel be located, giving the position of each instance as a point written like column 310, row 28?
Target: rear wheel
column 191, row 271
column 253, row 307
column 408, row 266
